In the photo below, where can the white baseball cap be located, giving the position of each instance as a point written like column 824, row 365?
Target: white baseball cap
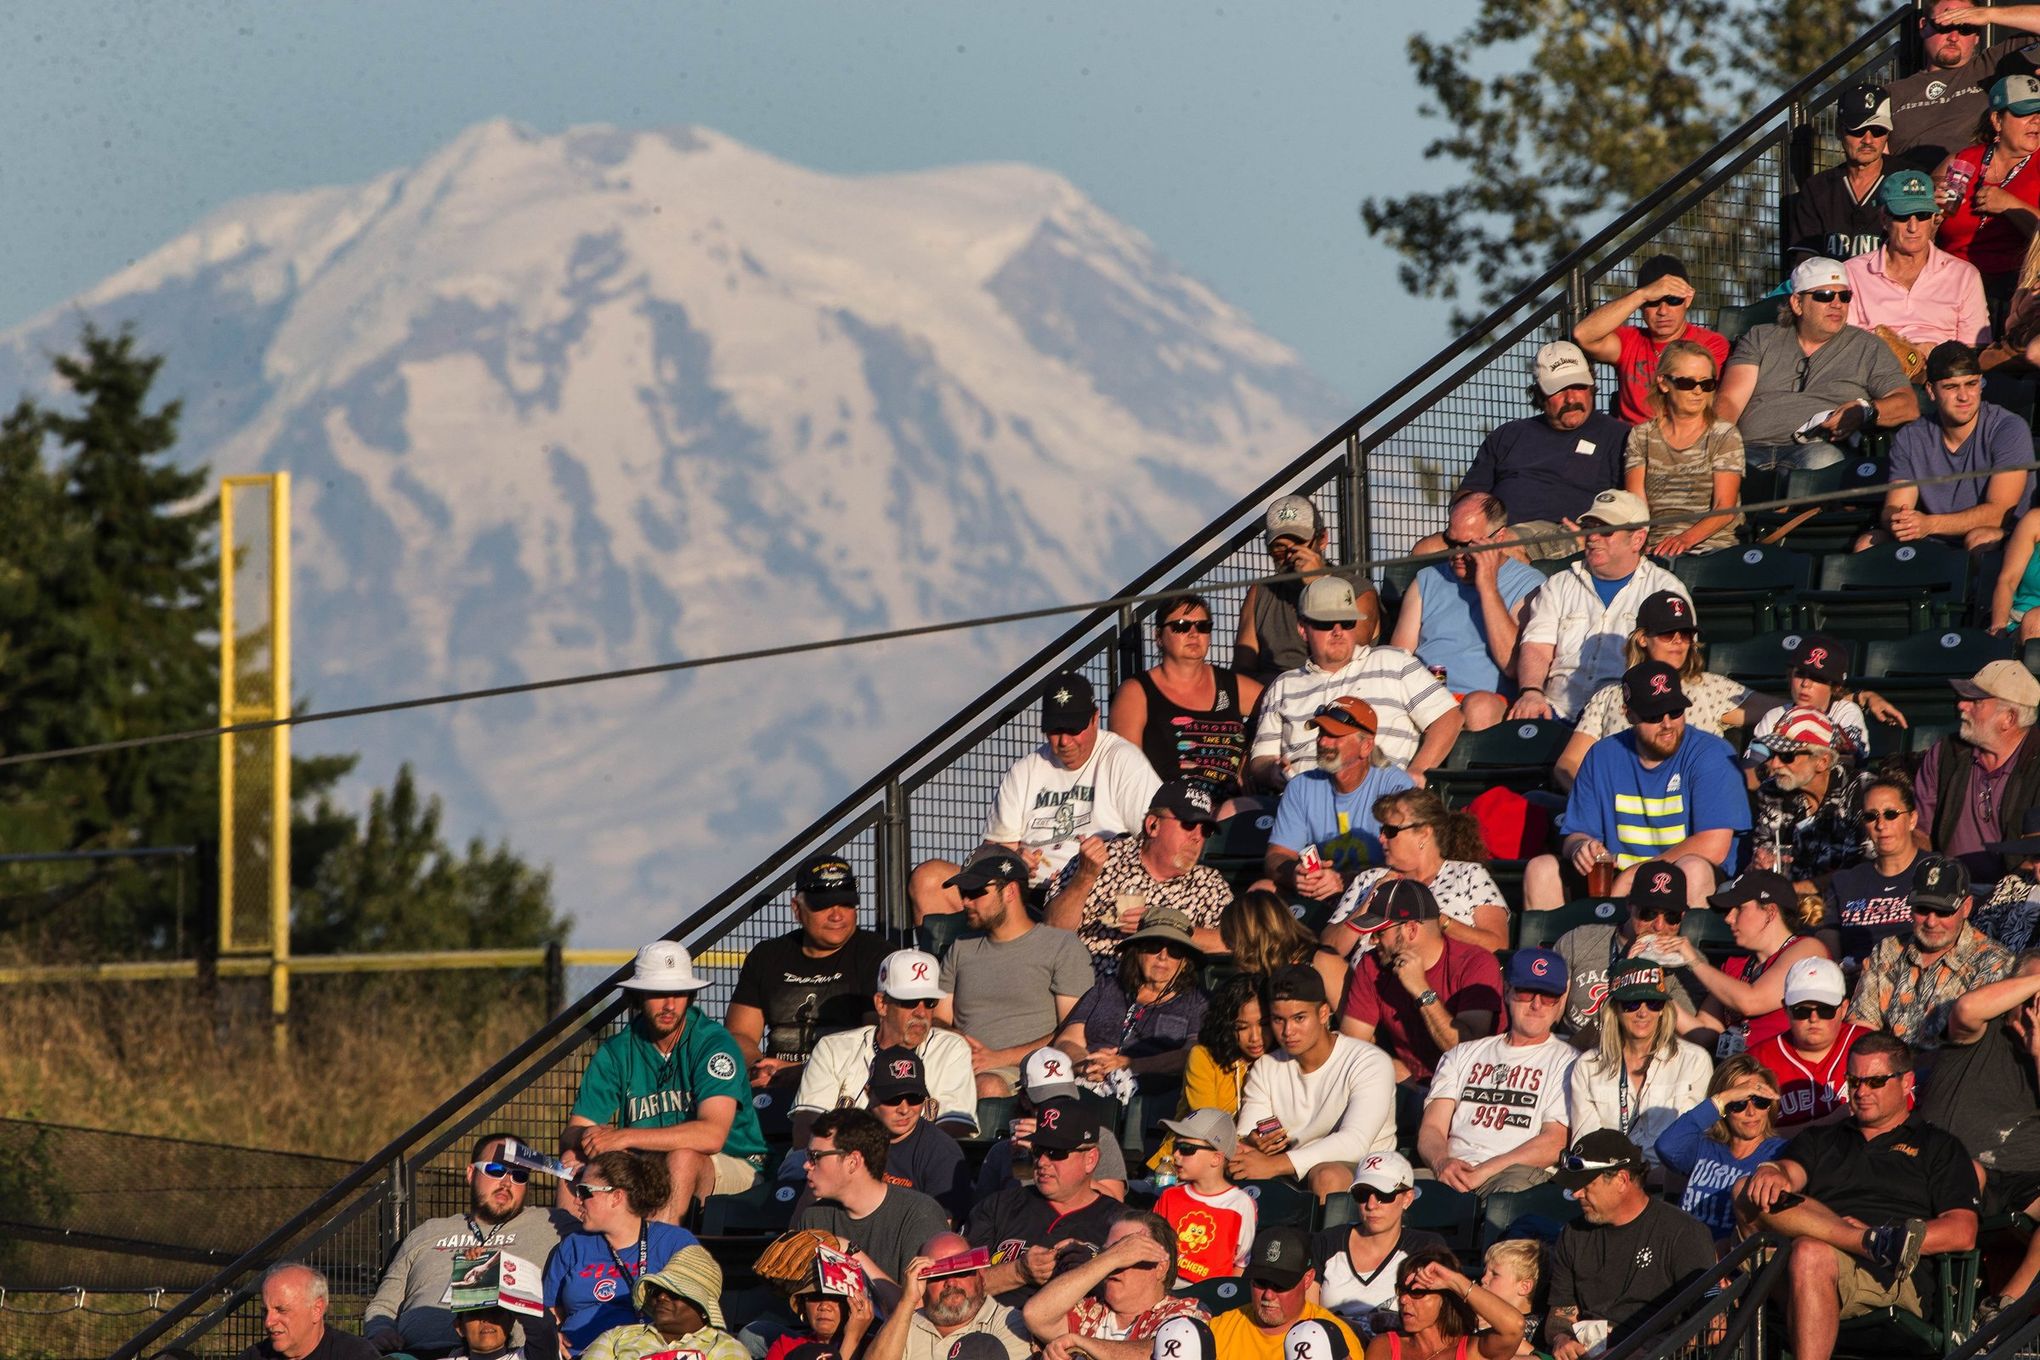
column 1315, row 1339
column 1047, row 1074
column 663, row 966
column 1818, row 272
column 911, row 975
column 1561, row 364
column 1815, row 980
column 1386, row 1171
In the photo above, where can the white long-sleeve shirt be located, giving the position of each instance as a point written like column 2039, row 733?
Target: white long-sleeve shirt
column 1339, row 1113
column 1674, row 1084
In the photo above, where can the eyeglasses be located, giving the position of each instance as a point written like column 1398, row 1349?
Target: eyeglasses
column 1832, row 295
column 587, row 1192
column 1871, row 816
column 1042, row 1154
column 909, row 1099
column 1813, row 1010
column 1668, row 300
column 1669, row 915
column 1914, row 216
column 1933, row 909
column 1363, row 1194
column 1389, row 830
column 1641, row 1005
column 1188, row 625
column 1331, row 625
column 1750, row 1102
column 496, row 1171
column 1685, row 384
column 921, row 1003
column 1875, row 1082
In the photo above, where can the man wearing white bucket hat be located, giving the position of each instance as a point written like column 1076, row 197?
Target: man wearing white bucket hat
column 672, row 1084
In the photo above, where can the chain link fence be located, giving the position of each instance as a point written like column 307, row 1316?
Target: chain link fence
column 1380, row 482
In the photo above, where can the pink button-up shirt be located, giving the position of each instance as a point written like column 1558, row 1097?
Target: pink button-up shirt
column 1944, row 303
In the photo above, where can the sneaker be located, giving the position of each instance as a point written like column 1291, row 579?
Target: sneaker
column 1896, row 1246
column 1988, row 1308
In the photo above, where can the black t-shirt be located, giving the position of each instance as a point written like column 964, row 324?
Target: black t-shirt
column 1013, row 1220
column 1915, row 1171
column 1986, row 1094
column 805, row 998
column 1868, row 906
column 334, row 1345
column 1623, row 1273
column 1824, row 218
column 929, row 1160
column 1538, row 472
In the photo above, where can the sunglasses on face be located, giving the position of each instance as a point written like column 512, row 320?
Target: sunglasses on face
column 1750, row 1102
column 496, row 1171
column 1631, row 1007
column 1666, row 301
column 1685, row 384
column 1789, row 757
column 1461, row 544
column 1195, row 828
column 1188, row 625
column 1871, row 816
column 1185, row 1149
column 1669, row 915
column 1367, row 1194
column 1914, row 217
column 1331, row 625
column 973, row 894
column 890, row 1101
column 1866, row 132
column 588, row 1192
column 1054, row 1154
column 1876, row 1082
column 1966, row 30
column 922, row 1003
column 1389, row 830
column 1813, row 1010
column 1939, row 913
column 1833, row 294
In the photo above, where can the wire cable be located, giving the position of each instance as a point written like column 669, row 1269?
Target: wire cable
column 922, row 630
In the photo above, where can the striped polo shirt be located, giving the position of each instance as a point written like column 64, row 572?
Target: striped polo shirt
column 1407, row 698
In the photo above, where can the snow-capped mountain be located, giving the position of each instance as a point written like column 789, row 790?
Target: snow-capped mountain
column 567, row 403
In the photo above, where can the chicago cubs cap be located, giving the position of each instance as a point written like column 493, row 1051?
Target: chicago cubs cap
column 910, row 975
column 1291, row 517
column 1388, row 1172
column 1939, row 881
column 1816, row 980
column 897, row 1071
column 1047, row 1075
column 1312, row 1339
column 1651, row 689
column 1539, row 970
column 1182, row 1338
column 663, row 966
column 1280, row 1256
column 826, row 881
column 1065, row 1125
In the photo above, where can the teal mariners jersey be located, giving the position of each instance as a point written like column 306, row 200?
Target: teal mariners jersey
column 630, row 1084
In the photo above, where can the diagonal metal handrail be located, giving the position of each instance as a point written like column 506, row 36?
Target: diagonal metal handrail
column 1476, row 346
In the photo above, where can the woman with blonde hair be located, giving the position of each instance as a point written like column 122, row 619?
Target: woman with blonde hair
column 1643, row 1076
column 1684, row 460
column 1722, row 1139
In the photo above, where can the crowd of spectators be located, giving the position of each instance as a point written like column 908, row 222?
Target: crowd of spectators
column 1847, row 1055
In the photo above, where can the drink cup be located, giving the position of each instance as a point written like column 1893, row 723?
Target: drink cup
column 1601, row 878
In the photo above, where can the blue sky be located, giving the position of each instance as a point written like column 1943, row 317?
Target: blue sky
column 1239, row 137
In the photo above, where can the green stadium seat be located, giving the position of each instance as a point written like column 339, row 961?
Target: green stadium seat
column 766, row 1208
column 993, row 1114
column 1733, row 321
column 1762, row 662
column 1220, row 1295
column 1541, row 929
column 1454, row 1217
column 1913, row 672
column 1552, row 566
column 1948, row 1311
column 1891, row 590
column 937, row 933
column 1709, row 930
column 1835, row 528
column 1281, row 1201
column 1511, row 754
column 1741, row 592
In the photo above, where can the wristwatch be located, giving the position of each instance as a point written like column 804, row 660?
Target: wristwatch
column 1428, row 997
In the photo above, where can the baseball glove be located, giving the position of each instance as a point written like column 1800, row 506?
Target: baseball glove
column 790, row 1260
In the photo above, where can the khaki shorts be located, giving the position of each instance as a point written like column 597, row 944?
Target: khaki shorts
column 1557, row 542
column 733, row 1175
column 1009, row 1075
column 1862, row 1291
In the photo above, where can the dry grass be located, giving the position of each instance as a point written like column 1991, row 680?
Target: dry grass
column 368, row 1058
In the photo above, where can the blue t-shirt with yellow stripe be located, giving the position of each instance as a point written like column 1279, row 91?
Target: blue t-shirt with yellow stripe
column 1640, row 813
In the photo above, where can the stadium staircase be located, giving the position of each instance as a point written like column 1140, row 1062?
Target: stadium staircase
column 1379, row 482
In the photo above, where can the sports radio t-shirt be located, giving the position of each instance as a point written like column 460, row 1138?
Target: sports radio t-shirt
column 1507, row 1093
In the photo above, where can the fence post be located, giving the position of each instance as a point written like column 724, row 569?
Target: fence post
column 1128, row 657
column 1576, row 304
column 555, row 979
column 1356, row 528
column 895, row 852
column 397, row 1214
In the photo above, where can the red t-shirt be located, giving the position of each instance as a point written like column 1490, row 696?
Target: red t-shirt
column 1992, row 244
column 1209, row 1234
column 1772, row 1023
column 1809, row 1091
column 1465, row 978
column 1637, row 364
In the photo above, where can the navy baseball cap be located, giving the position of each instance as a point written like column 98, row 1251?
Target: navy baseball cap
column 1539, row 970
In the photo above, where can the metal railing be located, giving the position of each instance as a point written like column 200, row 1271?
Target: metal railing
column 1720, row 1312
column 1379, row 482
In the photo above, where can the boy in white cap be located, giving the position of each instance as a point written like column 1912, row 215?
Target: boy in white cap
column 672, row 1083
column 1799, row 388
column 838, row 1072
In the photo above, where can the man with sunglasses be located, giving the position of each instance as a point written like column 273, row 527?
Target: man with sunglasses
column 1328, row 812
column 1798, row 389
column 1628, row 1252
column 1464, row 614
column 1027, row 1227
column 1082, row 783
column 1909, row 285
column 1836, row 213
column 1111, row 1306
column 1936, row 110
column 1664, row 296
column 1910, row 982
column 1596, row 951
column 409, row 1311
column 1418, row 722
column 1863, row 1200
column 1966, row 436
column 1808, row 823
column 1811, row 1058
column 1495, row 1121
column 838, row 1075
column 1111, row 887
column 918, row 1157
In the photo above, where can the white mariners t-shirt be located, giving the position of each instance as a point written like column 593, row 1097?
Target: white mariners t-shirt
column 1459, row 888
column 1506, row 1093
column 839, row 1070
column 1045, row 807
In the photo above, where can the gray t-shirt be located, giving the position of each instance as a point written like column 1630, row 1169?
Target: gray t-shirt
column 1005, row 993
column 1998, row 441
column 1591, row 953
column 412, row 1295
column 1853, row 364
column 891, row 1234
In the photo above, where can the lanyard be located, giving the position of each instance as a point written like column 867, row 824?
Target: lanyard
column 482, row 1239
column 1622, row 1089
column 1989, row 150
column 643, row 1250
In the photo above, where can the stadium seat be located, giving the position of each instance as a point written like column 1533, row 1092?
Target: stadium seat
column 766, row 1207
column 1741, row 592
column 1281, row 1201
column 937, row 933
column 1762, row 662
column 994, row 1113
column 1913, row 672
column 1835, row 527
column 1454, row 1217
column 1221, row 1295
column 1733, row 321
column 1511, row 754
column 1891, row 590
column 1709, row 931
column 1948, row 1313
column 1552, row 566
column 1541, row 929
column 1140, row 1127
